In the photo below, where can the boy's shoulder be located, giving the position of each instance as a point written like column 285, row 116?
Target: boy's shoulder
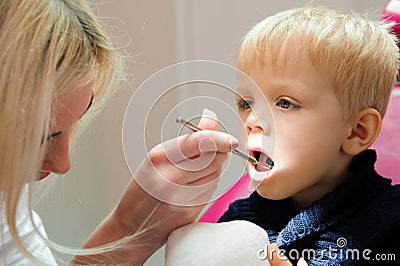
column 387, row 206
column 390, row 197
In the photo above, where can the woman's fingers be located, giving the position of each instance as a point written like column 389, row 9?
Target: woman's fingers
column 196, row 169
column 209, row 120
column 183, row 169
column 180, row 182
column 277, row 258
column 193, row 146
column 207, row 140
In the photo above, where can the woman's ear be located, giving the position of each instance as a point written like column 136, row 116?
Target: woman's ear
column 366, row 128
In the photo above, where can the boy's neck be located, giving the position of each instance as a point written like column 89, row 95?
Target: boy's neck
column 306, row 198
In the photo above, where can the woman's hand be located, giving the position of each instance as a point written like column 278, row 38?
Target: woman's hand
column 277, row 258
column 168, row 190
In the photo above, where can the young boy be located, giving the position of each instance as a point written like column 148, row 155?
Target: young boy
column 327, row 78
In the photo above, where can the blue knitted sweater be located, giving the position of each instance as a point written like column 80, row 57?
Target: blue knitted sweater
column 358, row 223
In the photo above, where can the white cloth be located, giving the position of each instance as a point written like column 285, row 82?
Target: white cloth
column 9, row 252
column 234, row 243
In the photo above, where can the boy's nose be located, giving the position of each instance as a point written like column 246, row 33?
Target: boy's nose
column 253, row 124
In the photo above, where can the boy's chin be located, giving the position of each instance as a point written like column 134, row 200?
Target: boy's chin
column 256, row 178
column 264, row 192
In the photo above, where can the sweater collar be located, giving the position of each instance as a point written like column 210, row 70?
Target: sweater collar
column 355, row 192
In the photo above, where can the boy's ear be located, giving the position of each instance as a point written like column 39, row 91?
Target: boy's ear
column 365, row 129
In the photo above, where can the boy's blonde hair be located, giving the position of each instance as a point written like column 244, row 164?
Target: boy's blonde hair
column 47, row 49
column 360, row 55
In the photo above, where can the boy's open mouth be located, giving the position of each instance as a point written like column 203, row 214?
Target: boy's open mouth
column 262, row 157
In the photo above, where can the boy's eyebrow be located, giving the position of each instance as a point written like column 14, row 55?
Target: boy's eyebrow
column 289, row 86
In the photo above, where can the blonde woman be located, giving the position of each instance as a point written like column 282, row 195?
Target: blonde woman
column 57, row 69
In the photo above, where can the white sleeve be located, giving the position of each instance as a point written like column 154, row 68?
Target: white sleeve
column 9, row 252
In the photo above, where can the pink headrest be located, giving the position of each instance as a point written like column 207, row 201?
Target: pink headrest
column 387, row 144
column 391, row 12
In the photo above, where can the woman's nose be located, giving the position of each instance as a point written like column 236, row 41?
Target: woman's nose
column 58, row 159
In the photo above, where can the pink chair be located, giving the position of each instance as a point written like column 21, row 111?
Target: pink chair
column 387, row 145
column 239, row 190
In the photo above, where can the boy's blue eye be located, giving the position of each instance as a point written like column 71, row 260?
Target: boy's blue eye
column 247, row 103
column 244, row 103
column 285, row 104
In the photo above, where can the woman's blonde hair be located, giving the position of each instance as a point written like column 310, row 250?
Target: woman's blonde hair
column 47, row 49
column 359, row 55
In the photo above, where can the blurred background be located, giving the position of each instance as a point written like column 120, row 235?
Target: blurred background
column 153, row 35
